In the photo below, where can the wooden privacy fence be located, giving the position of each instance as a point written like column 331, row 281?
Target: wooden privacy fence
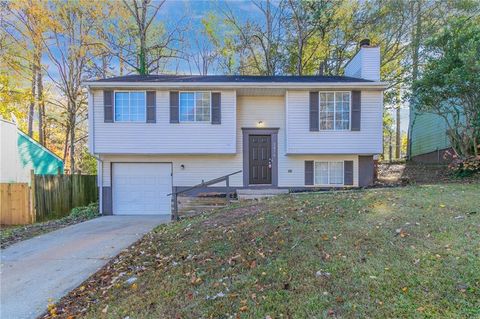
column 16, row 204
column 48, row 197
column 56, row 195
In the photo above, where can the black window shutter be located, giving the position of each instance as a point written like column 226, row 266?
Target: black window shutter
column 216, row 108
column 356, row 110
column 151, row 107
column 314, row 117
column 308, row 172
column 348, row 172
column 174, row 107
column 108, row 106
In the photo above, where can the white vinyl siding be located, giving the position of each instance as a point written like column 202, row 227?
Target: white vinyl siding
column 300, row 140
column 334, row 110
column 291, row 168
column 365, row 64
column 130, row 106
column 195, row 106
column 164, row 137
column 328, row 173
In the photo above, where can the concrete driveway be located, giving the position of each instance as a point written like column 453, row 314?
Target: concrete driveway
column 50, row 265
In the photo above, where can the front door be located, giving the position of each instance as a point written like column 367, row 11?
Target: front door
column 260, row 159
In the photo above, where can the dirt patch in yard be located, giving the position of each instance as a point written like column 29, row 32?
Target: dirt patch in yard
column 415, row 173
column 235, row 215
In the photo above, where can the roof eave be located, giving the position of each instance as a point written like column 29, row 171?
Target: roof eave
column 285, row 85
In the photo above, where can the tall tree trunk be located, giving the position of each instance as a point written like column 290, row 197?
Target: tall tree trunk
column 104, row 66
column 397, row 126
column 398, row 133
column 31, row 109
column 72, row 137
column 121, row 61
column 65, row 148
column 142, row 57
column 416, row 35
column 41, row 108
column 390, row 154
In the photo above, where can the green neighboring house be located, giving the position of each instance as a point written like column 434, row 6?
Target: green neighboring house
column 428, row 137
column 19, row 153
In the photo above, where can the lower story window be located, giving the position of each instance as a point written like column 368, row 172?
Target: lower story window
column 328, row 173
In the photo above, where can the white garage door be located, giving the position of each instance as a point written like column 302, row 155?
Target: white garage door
column 141, row 188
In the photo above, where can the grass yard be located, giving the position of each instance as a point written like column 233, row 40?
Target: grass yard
column 411, row 252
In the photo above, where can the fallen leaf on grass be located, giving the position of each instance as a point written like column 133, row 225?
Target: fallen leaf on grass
column 401, row 232
column 243, row 308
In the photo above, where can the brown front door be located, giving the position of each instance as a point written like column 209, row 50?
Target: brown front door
column 260, row 159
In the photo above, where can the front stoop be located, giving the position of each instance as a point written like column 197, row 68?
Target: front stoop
column 245, row 194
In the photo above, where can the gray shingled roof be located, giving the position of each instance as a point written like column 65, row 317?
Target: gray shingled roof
column 231, row 78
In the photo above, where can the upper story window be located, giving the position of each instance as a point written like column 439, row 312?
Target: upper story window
column 334, row 110
column 130, row 107
column 195, row 106
column 328, row 173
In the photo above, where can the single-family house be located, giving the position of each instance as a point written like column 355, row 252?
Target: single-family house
column 19, row 154
column 151, row 133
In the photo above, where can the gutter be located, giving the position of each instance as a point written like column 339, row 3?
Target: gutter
column 230, row 85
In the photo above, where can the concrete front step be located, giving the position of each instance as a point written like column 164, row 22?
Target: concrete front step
column 259, row 193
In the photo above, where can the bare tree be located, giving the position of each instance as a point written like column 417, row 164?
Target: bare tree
column 69, row 51
column 260, row 40
column 140, row 41
column 203, row 56
column 28, row 27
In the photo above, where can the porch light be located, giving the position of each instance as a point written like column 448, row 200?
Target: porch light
column 260, row 124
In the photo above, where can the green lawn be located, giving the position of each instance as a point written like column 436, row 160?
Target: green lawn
column 391, row 253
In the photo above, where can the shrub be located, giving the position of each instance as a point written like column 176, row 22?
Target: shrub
column 464, row 167
column 85, row 212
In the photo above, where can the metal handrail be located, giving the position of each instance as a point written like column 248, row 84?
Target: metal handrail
column 201, row 185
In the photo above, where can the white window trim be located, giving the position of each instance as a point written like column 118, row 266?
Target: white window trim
column 335, row 112
column 326, row 161
column 129, row 91
column 194, row 107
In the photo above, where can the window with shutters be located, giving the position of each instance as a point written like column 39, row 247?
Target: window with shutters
column 195, row 106
column 328, row 173
column 334, row 110
column 130, row 106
